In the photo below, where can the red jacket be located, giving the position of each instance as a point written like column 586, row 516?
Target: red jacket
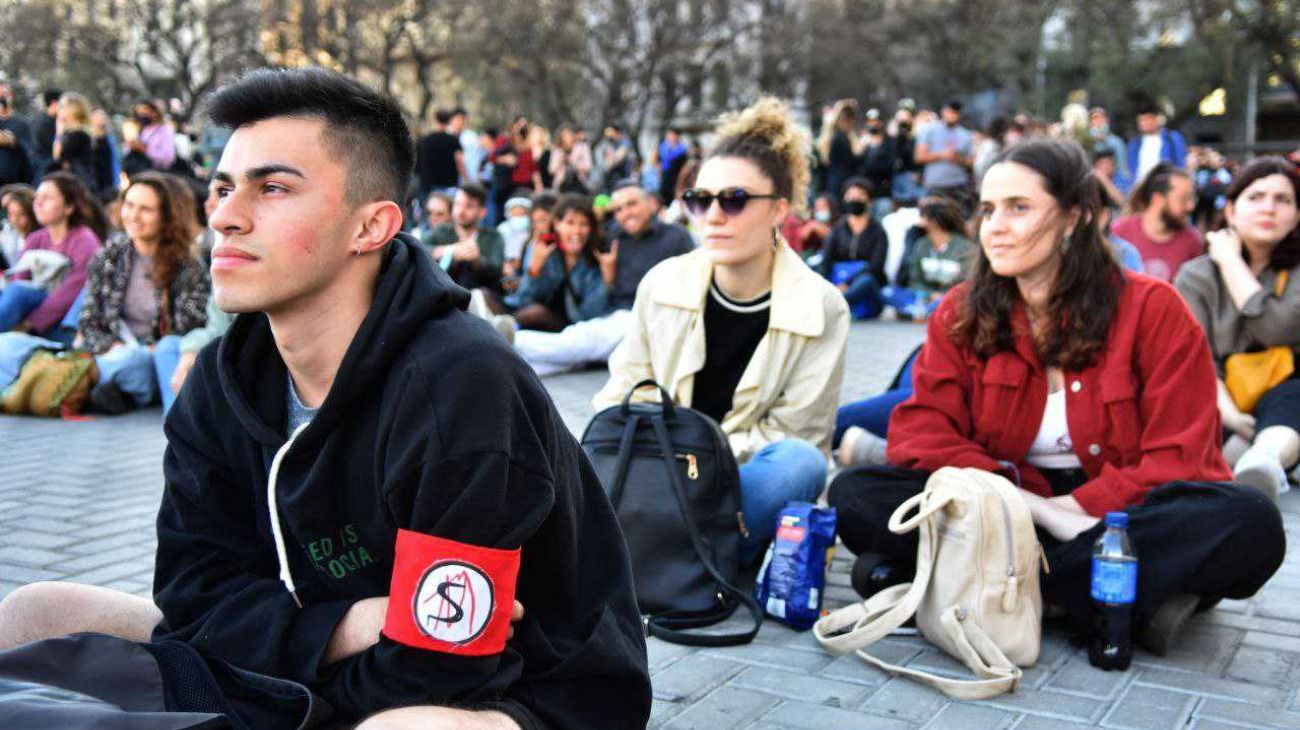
column 1142, row 416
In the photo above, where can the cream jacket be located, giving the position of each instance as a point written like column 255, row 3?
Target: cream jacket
column 791, row 386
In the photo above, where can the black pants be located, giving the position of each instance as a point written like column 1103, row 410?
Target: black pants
column 1280, row 406
column 1210, row 540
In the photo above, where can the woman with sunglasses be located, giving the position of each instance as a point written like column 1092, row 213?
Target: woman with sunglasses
column 1091, row 388
column 741, row 329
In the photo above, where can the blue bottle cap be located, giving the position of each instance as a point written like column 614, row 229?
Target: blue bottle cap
column 1117, row 519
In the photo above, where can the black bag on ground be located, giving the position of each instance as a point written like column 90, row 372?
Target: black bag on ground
column 673, row 481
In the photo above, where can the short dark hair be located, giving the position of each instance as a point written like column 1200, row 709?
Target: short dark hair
column 946, row 214
column 475, row 191
column 1102, row 153
column 627, row 182
column 51, row 95
column 443, row 116
column 545, row 200
column 954, row 105
column 1149, row 107
column 459, row 112
column 861, row 183
column 362, row 126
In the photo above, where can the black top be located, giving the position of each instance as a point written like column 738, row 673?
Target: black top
column 435, row 160
column 870, row 245
column 637, row 255
column 77, row 156
column 434, row 425
column 15, row 162
column 732, row 331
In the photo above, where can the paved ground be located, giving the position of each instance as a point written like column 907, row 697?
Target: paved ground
column 77, row 502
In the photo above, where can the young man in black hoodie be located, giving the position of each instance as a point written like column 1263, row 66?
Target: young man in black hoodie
column 361, row 477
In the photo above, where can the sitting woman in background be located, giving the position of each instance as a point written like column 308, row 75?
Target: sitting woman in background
column 73, row 226
column 144, row 291
column 741, row 329
column 938, row 261
column 1246, row 295
column 568, row 276
column 1091, row 388
column 20, row 221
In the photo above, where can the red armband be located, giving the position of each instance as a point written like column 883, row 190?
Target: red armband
column 450, row 597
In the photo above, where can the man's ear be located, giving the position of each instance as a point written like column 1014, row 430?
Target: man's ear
column 379, row 222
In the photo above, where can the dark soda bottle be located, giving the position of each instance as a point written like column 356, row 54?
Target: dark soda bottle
column 1114, row 589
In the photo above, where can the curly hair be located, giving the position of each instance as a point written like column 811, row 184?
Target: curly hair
column 1086, row 293
column 765, row 135
column 179, row 225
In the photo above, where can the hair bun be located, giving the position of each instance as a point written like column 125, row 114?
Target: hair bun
column 768, row 122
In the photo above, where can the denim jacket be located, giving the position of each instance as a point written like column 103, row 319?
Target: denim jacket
column 585, row 298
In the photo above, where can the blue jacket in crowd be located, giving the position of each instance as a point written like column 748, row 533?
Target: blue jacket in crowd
column 585, row 297
column 1173, row 149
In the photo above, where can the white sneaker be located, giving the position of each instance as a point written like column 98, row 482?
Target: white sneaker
column 505, row 324
column 860, row 447
column 1262, row 470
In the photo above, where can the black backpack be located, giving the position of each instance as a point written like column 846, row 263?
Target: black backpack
column 673, row 481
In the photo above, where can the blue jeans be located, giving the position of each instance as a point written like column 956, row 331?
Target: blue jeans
column 17, row 300
column 141, row 372
column 873, row 413
column 789, row 469
column 864, row 298
column 15, row 348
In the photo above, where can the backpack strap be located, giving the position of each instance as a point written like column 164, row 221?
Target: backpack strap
column 862, row 624
column 669, row 625
column 998, row 674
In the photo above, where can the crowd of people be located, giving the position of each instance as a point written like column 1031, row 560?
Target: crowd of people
column 1050, row 357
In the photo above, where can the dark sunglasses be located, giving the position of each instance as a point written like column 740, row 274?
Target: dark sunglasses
column 731, row 200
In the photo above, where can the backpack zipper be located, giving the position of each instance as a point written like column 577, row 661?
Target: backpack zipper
column 1011, row 596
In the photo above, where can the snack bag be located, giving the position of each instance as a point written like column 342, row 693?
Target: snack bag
column 793, row 576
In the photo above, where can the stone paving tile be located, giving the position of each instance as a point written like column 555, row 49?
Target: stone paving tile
column 78, row 501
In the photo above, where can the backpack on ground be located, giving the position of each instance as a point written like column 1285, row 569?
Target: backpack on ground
column 675, row 487
column 976, row 592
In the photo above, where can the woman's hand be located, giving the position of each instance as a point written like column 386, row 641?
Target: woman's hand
column 1062, row 517
column 541, row 251
column 1224, row 246
column 1242, row 424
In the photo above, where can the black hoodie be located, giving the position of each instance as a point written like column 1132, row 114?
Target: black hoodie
column 434, row 425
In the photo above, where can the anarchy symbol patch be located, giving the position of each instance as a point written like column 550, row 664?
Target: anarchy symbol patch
column 453, row 602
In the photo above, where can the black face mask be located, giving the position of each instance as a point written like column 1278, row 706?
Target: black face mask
column 904, row 127
column 855, row 207
column 143, row 120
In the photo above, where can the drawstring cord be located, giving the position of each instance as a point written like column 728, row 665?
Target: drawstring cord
column 281, row 553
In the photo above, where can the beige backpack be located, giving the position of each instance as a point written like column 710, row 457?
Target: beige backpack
column 976, row 592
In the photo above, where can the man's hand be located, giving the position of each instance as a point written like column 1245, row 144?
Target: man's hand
column 608, row 263
column 7, row 139
column 465, row 251
column 183, row 367
column 361, row 625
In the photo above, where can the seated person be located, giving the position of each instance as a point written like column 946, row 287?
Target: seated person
column 360, row 476
column 73, row 226
column 20, row 221
column 902, row 228
column 437, row 210
column 470, row 253
column 811, row 234
column 514, row 232
column 1246, row 295
column 938, row 262
column 639, row 241
column 741, row 329
column 1110, row 409
column 568, row 276
column 1158, row 225
column 858, row 237
column 143, row 292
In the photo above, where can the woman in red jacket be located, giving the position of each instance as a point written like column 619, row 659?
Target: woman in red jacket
column 1091, row 387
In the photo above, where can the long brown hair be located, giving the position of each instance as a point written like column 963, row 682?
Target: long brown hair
column 1087, row 288
column 85, row 210
column 1286, row 255
column 581, row 204
column 179, row 225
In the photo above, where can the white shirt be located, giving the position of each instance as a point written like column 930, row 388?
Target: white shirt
column 1052, row 447
column 1148, row 155
column 896, row 226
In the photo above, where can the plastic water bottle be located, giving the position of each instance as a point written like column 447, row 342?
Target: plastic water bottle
column 1114, row 589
